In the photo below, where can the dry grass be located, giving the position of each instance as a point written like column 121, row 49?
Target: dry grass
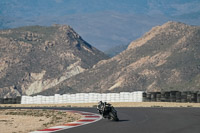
column 117, row 104
column 23, row 121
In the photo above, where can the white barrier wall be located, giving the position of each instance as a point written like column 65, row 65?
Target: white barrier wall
column 136, row 96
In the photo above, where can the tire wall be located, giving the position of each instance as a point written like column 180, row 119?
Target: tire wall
column 16, row 100
column 172, row 96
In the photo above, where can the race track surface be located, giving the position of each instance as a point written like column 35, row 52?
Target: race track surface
column 143, row 120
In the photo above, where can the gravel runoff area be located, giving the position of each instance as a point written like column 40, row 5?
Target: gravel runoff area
column 23, row 120
column 115, row 104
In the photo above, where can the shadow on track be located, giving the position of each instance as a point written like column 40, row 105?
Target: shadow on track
column 122, row 120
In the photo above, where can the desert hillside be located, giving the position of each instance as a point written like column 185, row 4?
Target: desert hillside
column 35, row 58
column 165, row 58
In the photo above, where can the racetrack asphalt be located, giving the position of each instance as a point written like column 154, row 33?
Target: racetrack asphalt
column 142, row 120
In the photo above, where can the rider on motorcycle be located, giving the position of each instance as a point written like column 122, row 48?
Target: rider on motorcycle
column 107, row 111
column 101, row 108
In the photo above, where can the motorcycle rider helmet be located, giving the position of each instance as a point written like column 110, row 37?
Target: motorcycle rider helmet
column 100, row 102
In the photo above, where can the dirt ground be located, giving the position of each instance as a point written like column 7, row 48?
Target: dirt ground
column 115, row 104
column 23, row 121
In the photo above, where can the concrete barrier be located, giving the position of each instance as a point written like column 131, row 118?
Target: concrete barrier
column 84, row 98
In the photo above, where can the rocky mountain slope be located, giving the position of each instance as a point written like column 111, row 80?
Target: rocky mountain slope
column 35, row 58
column 165, row 58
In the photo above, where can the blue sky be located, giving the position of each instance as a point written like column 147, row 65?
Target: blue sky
column 63, row 7
column 103, row 23
column 24, row 8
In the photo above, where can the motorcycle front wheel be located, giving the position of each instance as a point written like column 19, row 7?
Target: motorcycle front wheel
column 113, row 117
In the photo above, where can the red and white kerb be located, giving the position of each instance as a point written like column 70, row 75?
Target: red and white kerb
column 87, row 118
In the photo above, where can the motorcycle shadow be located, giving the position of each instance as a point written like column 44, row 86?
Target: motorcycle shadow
column 122, row 120
column 119, row 121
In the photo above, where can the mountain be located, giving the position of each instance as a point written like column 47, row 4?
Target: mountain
column 35, row 58
column 112, row 22
column 115, row 50
column 165, row 58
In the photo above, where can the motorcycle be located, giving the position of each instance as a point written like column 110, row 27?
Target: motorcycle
column 107, row 111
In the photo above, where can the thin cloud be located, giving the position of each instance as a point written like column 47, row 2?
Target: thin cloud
column 58, row 1
column 186, row 8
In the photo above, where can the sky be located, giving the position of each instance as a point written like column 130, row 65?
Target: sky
column 102, row 23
